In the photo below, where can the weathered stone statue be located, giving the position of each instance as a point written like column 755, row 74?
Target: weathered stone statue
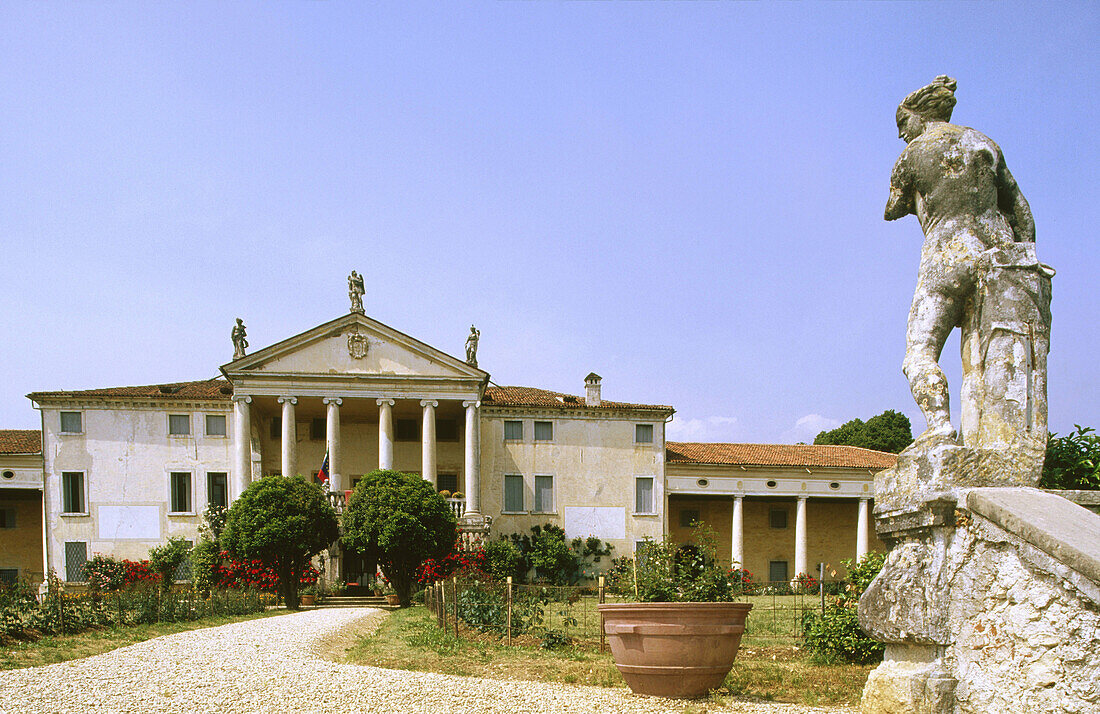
column 990, row 595
column 355, row 291
column 240, row 341
column 471, row 346
column 978, row 271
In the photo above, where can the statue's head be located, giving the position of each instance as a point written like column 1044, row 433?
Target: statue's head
column 240, row 321
column 932, row 102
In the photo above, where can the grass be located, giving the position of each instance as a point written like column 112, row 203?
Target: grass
column 410, row 640
column 62, row 648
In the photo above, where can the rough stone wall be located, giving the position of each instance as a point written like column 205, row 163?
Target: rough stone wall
column 1026, row 640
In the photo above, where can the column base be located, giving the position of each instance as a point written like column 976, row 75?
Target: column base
column 909, row 681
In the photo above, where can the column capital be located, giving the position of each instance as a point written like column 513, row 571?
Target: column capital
column 429, row 403
column 388, row 402
column 332, row 400
column 245, row 398
column 287, row 400
column 804, row 498
column 475, row 405
column 864, row 498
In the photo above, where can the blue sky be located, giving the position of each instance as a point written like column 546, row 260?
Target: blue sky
column 684, row 197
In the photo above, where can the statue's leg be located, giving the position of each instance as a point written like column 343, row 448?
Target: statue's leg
column 931, row 318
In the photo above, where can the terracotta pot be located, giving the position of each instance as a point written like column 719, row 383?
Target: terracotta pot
column 674, row 649
column 307, row 599
column 392, row 599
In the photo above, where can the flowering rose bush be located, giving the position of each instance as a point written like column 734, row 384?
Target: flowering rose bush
column 466, row 564
column 254, row 575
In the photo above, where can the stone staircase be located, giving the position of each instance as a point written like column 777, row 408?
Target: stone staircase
column 355, row 601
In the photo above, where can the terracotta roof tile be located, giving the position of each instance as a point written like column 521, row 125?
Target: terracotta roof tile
column 532, row 397
column 777, row 455
column 205, row 389
column 20, row 441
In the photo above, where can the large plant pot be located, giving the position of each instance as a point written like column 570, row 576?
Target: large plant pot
column 307, row 600
column 674, row 649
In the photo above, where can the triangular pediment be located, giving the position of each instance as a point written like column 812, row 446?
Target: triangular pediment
column 353, row 345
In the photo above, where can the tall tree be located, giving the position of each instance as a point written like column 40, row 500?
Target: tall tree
column 283, row 522
column 399, row 521
column 889, row 431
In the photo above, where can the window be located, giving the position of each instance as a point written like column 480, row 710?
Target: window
column 72, row 423
column 407, row 430
column 183, row 570
column 513, row 494
column 643, row 433
column 76, row 555
column 446, row 430
column 215, row 425
column 179, row 425
column 447, row 482
column 777, row 517
column 181, row 492
column 513, row 431
column 544, row 431
column 317, row 430
column 72, row 492
column 777, row 571
column 217, row 489
column 643, row 494
column 8, row 576
column 276, row 428
column 544, row 494
column 7, row 518
column 688, row 517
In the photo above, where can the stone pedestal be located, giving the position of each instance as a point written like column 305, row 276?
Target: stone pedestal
column 989, row 599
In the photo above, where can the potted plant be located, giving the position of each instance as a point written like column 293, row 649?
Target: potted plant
column 681, row 638
column 392, row 597
column 308, row 595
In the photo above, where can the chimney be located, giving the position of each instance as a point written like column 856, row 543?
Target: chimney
column 592, row 390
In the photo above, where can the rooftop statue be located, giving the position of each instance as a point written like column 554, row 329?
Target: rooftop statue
column 355, row 291
column 978, row 271
column 240, row 341
column 471, row 346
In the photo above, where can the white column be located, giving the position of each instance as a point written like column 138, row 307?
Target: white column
column 473, row 457
column 332, row 433
column 242, row 444
column 385, row 433
column 290, row 437
column 738, row 550
column 862, row 528
column 800, row 537
column 427, row 441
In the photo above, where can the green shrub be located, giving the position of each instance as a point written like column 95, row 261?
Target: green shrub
column 554, row 559
column 166, row 560
column 669, row 572
column 836, row 634
column 205, row 559
column 1073, row 461
column 501, row 559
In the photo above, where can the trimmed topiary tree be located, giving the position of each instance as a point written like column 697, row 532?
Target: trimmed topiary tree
column 399, row 521
column 282, row 522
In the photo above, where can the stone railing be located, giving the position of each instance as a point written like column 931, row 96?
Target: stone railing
column 337, row 499
column 458, row 505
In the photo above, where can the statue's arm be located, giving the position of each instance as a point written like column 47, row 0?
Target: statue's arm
column 1012, row 203
column 900, row 203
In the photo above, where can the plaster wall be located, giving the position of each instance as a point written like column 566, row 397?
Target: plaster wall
column 21, row 546
column 127, row 456
column 594, row 462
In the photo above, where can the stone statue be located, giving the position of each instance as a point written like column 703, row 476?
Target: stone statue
column 978, row 270
column 471, row 346
column 355, row 291
column 240, row 341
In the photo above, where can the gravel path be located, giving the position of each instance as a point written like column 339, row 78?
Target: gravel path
column 273, row 665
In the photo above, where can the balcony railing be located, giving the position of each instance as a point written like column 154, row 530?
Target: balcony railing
column 338, row 499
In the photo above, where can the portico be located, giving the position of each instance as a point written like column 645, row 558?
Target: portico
column 366, row 395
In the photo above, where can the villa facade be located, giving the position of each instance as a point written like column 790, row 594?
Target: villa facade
column 119, row 470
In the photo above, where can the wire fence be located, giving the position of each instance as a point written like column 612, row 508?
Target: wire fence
column 552, row 616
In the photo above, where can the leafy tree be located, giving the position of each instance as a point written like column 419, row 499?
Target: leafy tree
column 1073, row 460
column 556, row 560
column 889, row 431
column 282, row 522
column 398, row 520
column 166, row 560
